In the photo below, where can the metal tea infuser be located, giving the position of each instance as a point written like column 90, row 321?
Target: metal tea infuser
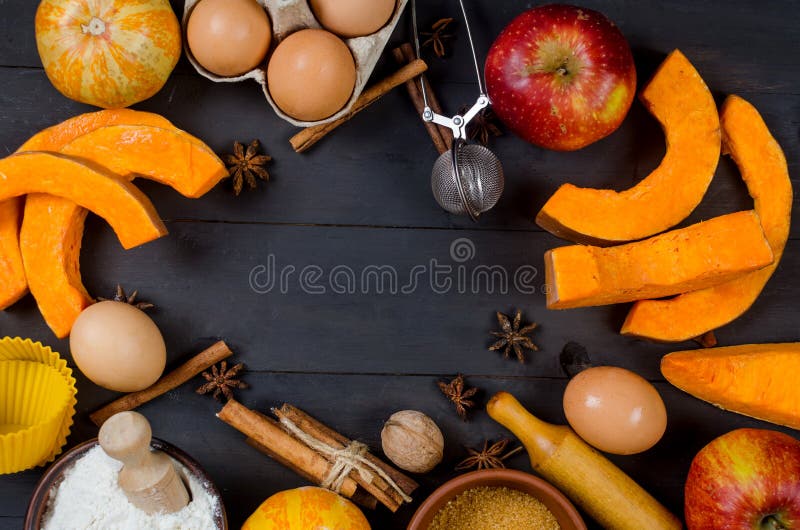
column 467, row 179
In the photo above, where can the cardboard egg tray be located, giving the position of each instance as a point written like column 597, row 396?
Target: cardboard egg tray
column 288, row 16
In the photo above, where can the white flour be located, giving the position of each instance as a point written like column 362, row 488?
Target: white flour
column 89, row 499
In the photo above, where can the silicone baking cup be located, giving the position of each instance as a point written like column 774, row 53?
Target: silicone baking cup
column 37, row 403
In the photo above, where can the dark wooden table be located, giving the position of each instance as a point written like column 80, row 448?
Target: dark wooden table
column 362, row 198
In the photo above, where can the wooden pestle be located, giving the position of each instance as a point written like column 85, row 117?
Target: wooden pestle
column 148, row 478
column 583, row 474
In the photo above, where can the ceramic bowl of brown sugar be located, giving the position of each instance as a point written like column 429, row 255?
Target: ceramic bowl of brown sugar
column 496, row 493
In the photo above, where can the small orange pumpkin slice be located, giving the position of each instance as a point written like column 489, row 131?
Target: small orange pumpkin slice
column 170, row 157
column 56, row 223
column 52, row 256
column 55, row 137
column 756, row 380
column 678, row 261
column 680, row 100
column 13, row 282
column 129, row 212
column 13, row 285
column 763, row 166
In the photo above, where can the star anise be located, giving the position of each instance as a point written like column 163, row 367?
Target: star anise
column 222, row 381
column 246, row 165
column 456, row 392
column 490, row 457
column 438, row 36
column 512, row 337
column 120, row 296
column 483, row 127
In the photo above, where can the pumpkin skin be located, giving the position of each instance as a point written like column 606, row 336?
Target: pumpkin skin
column 304, row 509
column 763, row 167
column 108, row 53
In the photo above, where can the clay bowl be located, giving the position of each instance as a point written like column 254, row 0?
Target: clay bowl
column 38, row 503
column 565, row 513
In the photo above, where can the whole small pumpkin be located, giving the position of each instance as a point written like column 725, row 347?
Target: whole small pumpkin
column 304, row 509
column 108, row 53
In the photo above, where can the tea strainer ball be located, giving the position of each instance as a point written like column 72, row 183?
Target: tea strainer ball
column 468, row 179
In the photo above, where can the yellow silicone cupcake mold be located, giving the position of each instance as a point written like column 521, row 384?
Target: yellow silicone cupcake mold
column 37, row 403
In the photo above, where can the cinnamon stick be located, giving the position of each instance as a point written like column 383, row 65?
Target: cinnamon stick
column 327, row 435
column 280, row 444
column 414, row 92
column 306, row 138
column 360, row 497
column 378, row 488
column 409, row 55
column 200, row 362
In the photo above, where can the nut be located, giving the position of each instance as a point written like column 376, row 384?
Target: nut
column 412, row 441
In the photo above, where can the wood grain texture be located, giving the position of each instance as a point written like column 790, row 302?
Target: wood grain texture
column 362, row 197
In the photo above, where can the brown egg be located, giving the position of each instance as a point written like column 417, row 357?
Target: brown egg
column 353, row 18
column 615, row 410
column 118, row 347
column 311, row 75
column 229, row 37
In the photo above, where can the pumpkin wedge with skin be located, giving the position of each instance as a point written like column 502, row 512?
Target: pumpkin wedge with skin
column 680, row 100
column 129, row 212
column 13, row 284
column 755, row 380
column 762, row 164
column 56, row 136
column 682, row 260
column 172, row 158
column 154, row 148
column 52, row 261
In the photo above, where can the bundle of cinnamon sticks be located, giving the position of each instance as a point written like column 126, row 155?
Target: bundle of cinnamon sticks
column 382, row 483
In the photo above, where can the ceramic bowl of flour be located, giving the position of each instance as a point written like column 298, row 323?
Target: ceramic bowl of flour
column 65, row 484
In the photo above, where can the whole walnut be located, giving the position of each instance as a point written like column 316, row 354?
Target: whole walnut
column 412, row 441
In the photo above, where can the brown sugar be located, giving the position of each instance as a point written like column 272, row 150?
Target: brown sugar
column 490, row 508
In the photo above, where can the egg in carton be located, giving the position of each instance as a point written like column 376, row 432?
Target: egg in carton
column 287, row 17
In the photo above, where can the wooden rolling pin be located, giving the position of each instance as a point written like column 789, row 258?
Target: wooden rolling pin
column 610, row 496
column 148, row 478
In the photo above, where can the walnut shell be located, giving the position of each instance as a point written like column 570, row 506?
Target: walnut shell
column 412, row 441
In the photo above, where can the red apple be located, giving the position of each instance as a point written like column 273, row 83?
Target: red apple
column 748, row 479
column 561, row 77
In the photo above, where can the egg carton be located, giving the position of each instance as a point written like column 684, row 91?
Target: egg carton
column 288, row 16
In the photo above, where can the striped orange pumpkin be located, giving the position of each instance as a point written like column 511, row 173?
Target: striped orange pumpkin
column 307, row 509
column 109, row 53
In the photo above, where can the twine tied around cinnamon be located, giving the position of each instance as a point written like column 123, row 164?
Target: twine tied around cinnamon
column 344, row 460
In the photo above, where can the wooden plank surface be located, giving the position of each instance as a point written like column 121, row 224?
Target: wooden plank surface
column 360, row 200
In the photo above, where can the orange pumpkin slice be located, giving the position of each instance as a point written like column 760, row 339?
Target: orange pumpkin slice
column 751, row 379
column 55, row 137
column 56, row 223
column 680, row 100
column 170, row 157
column 52, row 256
column 129, row 212
column 678, row 261
column 13, row 285
column 763, row 166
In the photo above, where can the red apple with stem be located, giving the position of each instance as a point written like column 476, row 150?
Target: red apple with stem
column 748, row 479
column 561, row 77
